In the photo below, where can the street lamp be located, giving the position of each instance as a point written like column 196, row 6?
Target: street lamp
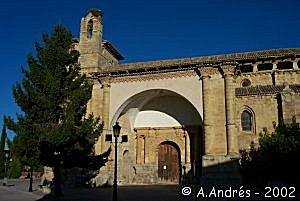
column 116, row 130
column 6, row 154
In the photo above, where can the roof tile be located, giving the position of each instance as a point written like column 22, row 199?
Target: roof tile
column 204, row 59
column 264, row 90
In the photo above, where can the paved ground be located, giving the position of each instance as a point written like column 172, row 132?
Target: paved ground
column 125, row 193
column 17, row 191
column 10, row 194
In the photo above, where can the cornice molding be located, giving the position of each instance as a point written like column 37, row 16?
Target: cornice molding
column 156, row 76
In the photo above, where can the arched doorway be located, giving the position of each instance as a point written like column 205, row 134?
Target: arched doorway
column 164, row 135
column 169, row 162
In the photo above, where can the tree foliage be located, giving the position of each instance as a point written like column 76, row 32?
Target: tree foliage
column 25, row 146
column 275, row 157
column 15, row 168
column 54, row 128
column 2, row 154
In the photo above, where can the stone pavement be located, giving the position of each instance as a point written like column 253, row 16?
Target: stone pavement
column 144, row 193
column 17, row 191
column 12, row 194
column 125, row 193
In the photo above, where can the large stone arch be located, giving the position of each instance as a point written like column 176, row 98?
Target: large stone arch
column 140, row 102
column 152, row 117
column 124, row 93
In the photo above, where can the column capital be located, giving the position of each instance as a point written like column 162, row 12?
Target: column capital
column 228, row 68
column 207, row 71
column 105, row 81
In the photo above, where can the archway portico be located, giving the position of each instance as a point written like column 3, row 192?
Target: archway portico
column 158, row 108
column 130, row 94
column 155, row 116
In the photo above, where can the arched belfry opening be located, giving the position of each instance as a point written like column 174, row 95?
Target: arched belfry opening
column 160, row 124
column 90, row 27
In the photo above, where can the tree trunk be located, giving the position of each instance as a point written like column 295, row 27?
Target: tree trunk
column 30, row 179
column 57, row 180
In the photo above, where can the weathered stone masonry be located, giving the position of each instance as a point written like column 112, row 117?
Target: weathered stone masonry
column 184, row 119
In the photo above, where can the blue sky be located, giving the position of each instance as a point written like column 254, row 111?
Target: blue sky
column 147, row 30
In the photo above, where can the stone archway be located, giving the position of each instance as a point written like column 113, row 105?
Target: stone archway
column 169, row 164
column 165, row 118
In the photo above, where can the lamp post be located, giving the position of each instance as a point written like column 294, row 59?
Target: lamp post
column 116, row 130
column 6, row 152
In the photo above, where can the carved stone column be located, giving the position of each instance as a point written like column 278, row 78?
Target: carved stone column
column 140, row 148
column 295, row 65
column 274, row 66
column 209, row 135
column 143, row 149
column 228, row 70
column 105, row 109
column 96, row 109
column 288, row 104
column 187, row 155
column 213, row 171
column 106, row 101
column 255, row 67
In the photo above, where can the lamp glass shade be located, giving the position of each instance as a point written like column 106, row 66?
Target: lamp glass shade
column 6, row 151
column 116, row 129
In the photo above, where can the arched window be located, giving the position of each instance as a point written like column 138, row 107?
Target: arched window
column 90, row 28
column 246, row 83
column 246, row 120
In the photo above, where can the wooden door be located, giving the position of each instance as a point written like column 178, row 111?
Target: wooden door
column 168, row 163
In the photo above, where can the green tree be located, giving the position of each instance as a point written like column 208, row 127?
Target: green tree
column 16, row 168
column 26, row 146
column 53, row 97
column 275, row 157
column 2, row 154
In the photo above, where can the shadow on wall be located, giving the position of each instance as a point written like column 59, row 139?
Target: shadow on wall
column 225, row 173
column 263, row 169
column 84, row 176
column 255, row 174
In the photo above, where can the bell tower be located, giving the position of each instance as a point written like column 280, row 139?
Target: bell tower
column 90, row 41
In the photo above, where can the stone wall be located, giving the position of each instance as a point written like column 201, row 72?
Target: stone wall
column 264, row 111
column 257, row 78
column 107, row 58
column 289, row 101
column 289, row 76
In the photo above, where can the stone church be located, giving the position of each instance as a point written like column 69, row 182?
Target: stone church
column 184, row 119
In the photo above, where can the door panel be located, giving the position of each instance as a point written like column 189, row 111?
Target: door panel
column 168, row 163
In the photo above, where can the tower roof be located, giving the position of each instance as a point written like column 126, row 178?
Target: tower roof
column 96, row 12
column 112, row 50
